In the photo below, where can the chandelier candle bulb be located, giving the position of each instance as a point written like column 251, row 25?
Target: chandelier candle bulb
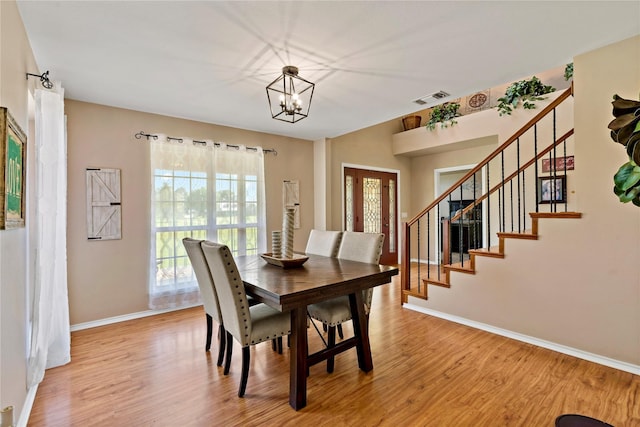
column 276, row 244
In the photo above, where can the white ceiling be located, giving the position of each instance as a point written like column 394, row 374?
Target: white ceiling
column 211, row 61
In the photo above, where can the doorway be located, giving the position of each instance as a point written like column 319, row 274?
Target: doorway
column 473, row 226
column 371, row 205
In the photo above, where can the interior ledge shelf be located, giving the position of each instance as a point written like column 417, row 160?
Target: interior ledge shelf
column 482, row 128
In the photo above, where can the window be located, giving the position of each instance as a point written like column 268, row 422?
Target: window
column 204, row 193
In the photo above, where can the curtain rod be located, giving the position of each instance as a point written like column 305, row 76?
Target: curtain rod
column 140, row 134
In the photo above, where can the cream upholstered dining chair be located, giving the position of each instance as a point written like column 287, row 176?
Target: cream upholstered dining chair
column 354, row 246
column 207, row 293
column 325, row 243
column 249, row 325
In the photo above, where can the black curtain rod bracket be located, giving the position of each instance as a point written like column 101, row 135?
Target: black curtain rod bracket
column 44, row 79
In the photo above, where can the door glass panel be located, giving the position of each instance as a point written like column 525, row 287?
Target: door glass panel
column 372, row 205
column 392, row 216
column 348, row 203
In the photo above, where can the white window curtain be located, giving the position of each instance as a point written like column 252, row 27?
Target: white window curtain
column 203, row 192
column 51, row 337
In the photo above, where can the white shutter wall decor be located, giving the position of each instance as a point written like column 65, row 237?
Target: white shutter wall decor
column 103, row 204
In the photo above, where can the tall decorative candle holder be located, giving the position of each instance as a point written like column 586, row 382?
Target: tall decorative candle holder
column 288, row 233
column 276, row 244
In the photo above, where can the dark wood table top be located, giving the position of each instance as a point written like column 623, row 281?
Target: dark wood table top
column 318, row 279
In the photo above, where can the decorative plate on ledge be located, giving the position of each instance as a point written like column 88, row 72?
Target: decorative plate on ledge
column 296, row 261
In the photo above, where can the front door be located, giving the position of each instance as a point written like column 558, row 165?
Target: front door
column 371, row 205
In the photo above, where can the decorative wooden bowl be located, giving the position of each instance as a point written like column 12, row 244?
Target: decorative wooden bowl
column 296, row 261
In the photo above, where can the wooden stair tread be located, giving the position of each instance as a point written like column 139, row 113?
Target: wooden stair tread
column 559, row 215
column 414, row 293
column 467, row 268
column 493, row 252
column 516, row 235
column 436, row 282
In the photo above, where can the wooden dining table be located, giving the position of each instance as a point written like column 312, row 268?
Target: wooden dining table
column 293, row 289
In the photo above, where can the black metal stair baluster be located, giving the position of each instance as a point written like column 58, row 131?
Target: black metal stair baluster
column 429, row 242
column 564, row 153
column 511, row 203
column 488, row 208
column 501, row 208
column 473, row 215
column 461, row 230
column 554, row 190
column 419, row 260
column 518, row 182
column 524, row 202
column 535, row 154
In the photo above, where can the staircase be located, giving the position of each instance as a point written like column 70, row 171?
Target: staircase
column 505, row 203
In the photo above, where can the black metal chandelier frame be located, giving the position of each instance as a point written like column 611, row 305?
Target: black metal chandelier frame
column 290, row 96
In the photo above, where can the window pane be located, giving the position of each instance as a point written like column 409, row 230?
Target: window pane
column 372, row 204
column 392, row 216
column 190, row 199
column 349, row 203
column 229, row 237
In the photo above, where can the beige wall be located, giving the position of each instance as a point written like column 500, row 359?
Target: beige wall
column 578, row 285
column 109, row 278
column 16, row 59
column 367, row 148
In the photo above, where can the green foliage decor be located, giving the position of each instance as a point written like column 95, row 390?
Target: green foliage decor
column 625, row 130
column 444, row 114
column 526, row 91
column 568, row 71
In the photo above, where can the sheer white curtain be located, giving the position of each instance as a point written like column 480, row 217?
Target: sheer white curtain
column 203, row 192
column 51, row 338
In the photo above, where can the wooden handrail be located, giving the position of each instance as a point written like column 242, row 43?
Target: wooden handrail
column 513, row 175
column 507, row 143
column 405, row 270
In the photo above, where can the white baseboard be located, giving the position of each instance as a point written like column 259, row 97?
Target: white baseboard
column 27, row 406
column 612, row 363
column 125, row 317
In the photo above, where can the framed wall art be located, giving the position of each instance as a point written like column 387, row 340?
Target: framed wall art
column 561, row 163
column 552, row 189
column 12, row 171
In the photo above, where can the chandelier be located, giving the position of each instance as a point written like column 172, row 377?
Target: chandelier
column 290, row 96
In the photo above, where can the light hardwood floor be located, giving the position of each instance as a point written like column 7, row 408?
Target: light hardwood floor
column 427, row 372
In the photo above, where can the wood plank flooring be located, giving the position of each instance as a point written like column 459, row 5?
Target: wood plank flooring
column 427, row 372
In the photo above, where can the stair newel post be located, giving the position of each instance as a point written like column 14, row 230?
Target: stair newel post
column 405, row 272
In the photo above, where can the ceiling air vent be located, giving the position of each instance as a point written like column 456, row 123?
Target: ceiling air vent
column 431, row 98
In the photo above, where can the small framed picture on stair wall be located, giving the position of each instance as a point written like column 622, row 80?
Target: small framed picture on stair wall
column 552, row 189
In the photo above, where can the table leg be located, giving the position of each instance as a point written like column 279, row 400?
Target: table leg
column 298, row 359
column 361, row 331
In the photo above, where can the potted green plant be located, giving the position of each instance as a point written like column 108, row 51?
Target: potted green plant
column 525, row 91
column 625, row 130
column 444, row 114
